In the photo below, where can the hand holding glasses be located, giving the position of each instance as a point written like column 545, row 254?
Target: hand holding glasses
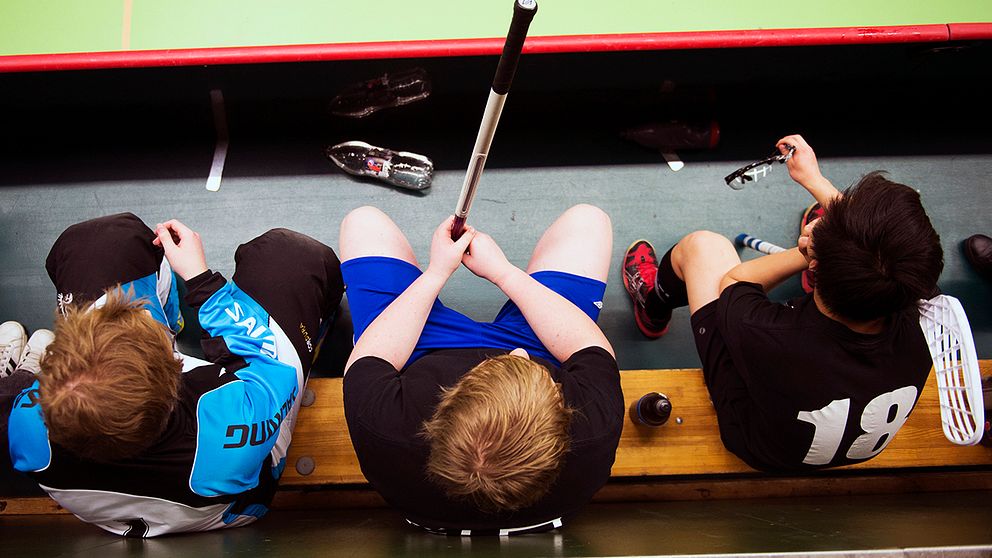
column 757, row 170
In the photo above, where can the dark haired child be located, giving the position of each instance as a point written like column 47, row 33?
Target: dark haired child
column 822, row 380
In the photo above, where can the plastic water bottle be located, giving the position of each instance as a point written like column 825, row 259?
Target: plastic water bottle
column 399, row 168
column 389, row 90
column 652, row 409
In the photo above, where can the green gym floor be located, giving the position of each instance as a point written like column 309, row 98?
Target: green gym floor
column 78, row 145
column 105, row 25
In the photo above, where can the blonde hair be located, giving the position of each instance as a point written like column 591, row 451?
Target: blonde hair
column 499, row 435
column 109, row 380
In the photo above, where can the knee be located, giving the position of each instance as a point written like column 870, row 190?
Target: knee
column 279, row 243
column 586, row 215
column 280, row 237
column 363, row 217
column 702, row 243
column 112, row 227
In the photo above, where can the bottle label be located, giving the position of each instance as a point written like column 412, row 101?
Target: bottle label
column 377, row 166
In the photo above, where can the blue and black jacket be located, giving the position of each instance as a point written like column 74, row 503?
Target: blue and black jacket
column 219, row 458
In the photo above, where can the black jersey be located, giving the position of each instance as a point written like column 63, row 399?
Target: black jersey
column 804, row 391
column 386, row 411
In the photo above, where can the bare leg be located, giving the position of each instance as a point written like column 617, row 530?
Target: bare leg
column 701, row 259
column 579, row 242
column 367, row 231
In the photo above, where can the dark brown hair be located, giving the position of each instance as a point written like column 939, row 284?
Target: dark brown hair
column 876, row 250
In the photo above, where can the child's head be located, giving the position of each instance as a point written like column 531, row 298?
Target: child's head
column 109, row 380
column 498, row 437
column 876, row 251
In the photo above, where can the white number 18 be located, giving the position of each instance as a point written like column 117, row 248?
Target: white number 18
column 878, row 421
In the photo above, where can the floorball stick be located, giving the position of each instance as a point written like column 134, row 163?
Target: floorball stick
column 764, row 246
column 959, row 381
column 523, row 13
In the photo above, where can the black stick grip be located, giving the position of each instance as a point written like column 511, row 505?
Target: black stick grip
column 523, row 13
column 457, row 228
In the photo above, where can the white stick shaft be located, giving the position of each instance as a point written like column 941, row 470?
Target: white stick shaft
column 758, row 244
column 490, row 119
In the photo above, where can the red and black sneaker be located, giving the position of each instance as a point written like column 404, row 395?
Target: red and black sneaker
column 640, row 267
column 812, row 213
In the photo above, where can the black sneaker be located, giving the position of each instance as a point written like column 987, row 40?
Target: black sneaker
column 395, row 89
column 640, row 267
column 978, row 252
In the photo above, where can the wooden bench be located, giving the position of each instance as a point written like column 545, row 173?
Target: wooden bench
column 691, row 446
column 678, row 461
column 683, row 459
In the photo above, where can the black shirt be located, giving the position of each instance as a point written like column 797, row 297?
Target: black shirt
column 386, row 411
column 820, row 393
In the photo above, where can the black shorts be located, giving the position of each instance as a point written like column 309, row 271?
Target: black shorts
column 296, row 279
column 728, row 392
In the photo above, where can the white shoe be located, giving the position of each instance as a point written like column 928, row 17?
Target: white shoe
column 12, row 341
column 35, row 349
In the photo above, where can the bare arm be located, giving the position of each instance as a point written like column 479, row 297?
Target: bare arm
column 768, row 271
column 394, row 333
column 560, row 325
column 804, row 169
